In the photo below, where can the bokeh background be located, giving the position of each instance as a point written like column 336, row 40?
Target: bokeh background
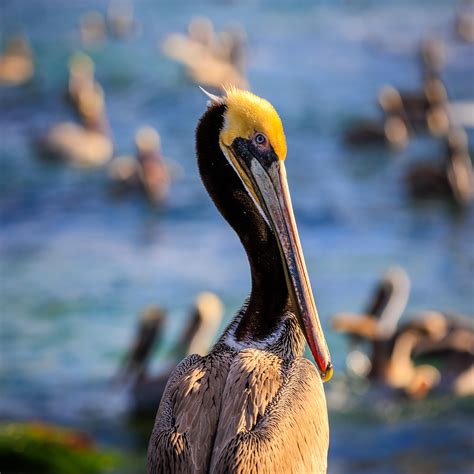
column 77, row 266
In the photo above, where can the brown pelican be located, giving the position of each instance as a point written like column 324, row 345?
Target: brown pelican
column 465, row 24
column 209, row 60
column 378, row 323
column 16, row 62
column 416, row 107
column 253, row 404
column 452, row 350
column 81, row 145
column 391, row 361
column 120, row 18
column 400, row 372
column 92, row 27
column 432, row 57
column 393, row 131
column 196, row 338
column 149, row 333
column 81, row 80
column 430, row 349
column 202, row 325
column 452, row 178
column 146, row 171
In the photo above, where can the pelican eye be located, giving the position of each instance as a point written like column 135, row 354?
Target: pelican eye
column 260, row 139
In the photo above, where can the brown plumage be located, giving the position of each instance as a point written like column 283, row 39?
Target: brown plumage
column 233, row 411
column 253, row 404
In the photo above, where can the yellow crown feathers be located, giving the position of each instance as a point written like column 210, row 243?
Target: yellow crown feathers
column 246, row 114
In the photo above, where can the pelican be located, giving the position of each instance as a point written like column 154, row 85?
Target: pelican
column 416, row 107
column 400, row 371
column 81, row 145
column 209, row 60
column 432, row 56
column 253, row 404
column 16, row 62
column 92, row 27
column 432, row 348
column 379, row 322
column 452, row 349
column 465, row 25
column 150, row 332
column 384, row 309
column 196, row 338
column 120, row 18
column 81, row 80
column 392, row 132
column 146, row 172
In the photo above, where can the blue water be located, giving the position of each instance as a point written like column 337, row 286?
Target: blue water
column 76, row 266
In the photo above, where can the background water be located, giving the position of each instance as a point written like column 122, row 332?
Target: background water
column 76, row 267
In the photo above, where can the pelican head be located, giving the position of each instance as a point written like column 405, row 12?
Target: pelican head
column 147, row 139
column 252, row 141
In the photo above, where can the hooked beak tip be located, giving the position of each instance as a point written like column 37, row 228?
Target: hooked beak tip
column 327, row 374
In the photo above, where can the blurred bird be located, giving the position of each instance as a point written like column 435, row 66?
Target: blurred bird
column 401, row 372
column 153, row 172
column 432, row 57
column 396, row 352
column 452, row 178
column 201, row 30
column 392, row 132
column 92, row 27
column 209, row 61
column 202, row 326
column 465, row 24
column 81, row 80
column 149, row 334
column 81, row 145
column 415, row 107
column 120, row 18
column 452, row 351
column 196, row 338
column 146, row 172
column 232, row 46
column 16, row 62
column 391, row 359
column 379, row 321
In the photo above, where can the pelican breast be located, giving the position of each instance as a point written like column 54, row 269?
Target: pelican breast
column 235, row 411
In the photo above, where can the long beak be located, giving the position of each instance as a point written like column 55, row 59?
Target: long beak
column 269, row 190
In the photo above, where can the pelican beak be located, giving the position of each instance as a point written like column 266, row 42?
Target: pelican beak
column 266, row 183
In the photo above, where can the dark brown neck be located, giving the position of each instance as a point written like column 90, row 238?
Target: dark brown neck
column 269, row 299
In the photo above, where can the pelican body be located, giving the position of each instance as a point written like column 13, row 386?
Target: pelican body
column 253, row 404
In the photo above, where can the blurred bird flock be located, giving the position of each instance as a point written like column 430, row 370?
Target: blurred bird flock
column 112, row 252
